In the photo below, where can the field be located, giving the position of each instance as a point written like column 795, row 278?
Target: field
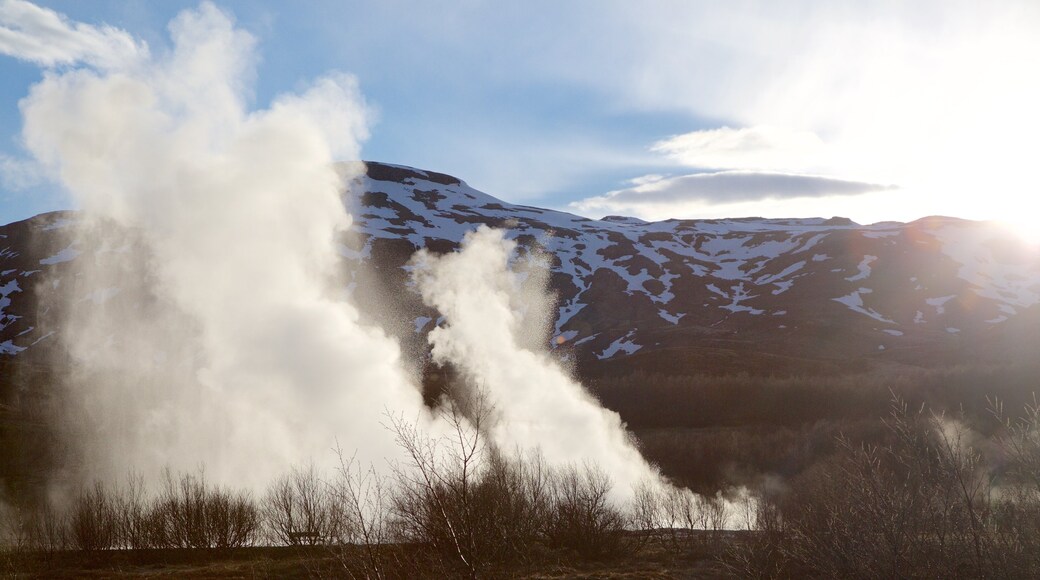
column 654, row 558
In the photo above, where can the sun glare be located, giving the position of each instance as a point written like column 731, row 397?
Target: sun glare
column 1025, row 229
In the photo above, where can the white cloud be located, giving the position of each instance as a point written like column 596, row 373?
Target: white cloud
column 762, row 147
column 932, row 95
column 693, row 195
column 45, row 37
column 17, row 174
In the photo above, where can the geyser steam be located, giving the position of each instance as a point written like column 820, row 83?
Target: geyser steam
column 240, row 211
column 240, row 354
column 486, row 335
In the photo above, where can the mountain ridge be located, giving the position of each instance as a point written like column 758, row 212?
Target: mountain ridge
column 760, row 295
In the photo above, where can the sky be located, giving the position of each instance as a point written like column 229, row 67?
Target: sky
column 876, row 111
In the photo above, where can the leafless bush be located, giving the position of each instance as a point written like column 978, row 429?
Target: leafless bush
column 582, row 518
column 923, row 504
column 361, row 499
column 38, row 528
column 94, row 522
column 189, row 514
column 299, row 509
column 134, row 526
column 434, row 501
column 478, row 507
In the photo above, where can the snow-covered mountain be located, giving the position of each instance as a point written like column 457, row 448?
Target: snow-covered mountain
column 685, row 296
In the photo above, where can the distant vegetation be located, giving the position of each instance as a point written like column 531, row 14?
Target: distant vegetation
column 713, row 432
column 830, row 477
column 934, row 499
column 929, row 496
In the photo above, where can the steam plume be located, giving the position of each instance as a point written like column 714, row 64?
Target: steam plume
column 239, row 213
column 486, row 335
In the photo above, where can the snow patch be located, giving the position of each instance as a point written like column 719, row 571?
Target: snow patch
column 938, row 303
column 864, row 269
column 673, row 318
column 623, row 344
column 782, row 287
column 855, row 303
column 9, row 347
column 739, row 294
column 65, row 255
column 420, row 323
column 58, row 224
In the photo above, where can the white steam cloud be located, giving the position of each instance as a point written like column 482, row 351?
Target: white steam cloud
column 239, row 211
column 488, row 336
column 237, row 352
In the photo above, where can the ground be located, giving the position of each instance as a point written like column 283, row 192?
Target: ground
column 321, row 562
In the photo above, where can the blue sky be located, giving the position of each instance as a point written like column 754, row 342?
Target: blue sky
column 887, row 111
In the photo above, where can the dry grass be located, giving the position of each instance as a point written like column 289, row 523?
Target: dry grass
column 288, row 562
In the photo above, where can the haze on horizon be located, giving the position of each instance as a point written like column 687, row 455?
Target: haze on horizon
column 887, row 111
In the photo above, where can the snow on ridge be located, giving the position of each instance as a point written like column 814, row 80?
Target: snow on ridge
column 11, row 286
column 736, row 255
column 739, row 295
column 967, row 245
column 58, row 224
column 938, row 303
column 854, row 302
column 5, row 291
column 420, row 323
column 669, row 317
column 772, row 278
column 9, row 347
column 864, row 269
column 623, row 344
column 66, row 255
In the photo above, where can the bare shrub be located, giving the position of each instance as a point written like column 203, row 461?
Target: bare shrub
column 132, row 515
column 582, row 518
column 298, row 509
column 39, row 528
column 924, row 503
column 189, row 514
column 94, row 521
column 433, row 502
column 361, row 500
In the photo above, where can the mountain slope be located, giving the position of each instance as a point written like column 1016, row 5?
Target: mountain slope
column 703, row 295
column 682, row 296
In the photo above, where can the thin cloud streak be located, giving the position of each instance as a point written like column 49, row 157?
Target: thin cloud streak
column 763, row 148
column 657, row 196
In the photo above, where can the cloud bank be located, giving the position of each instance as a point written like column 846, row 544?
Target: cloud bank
column 656, row 197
